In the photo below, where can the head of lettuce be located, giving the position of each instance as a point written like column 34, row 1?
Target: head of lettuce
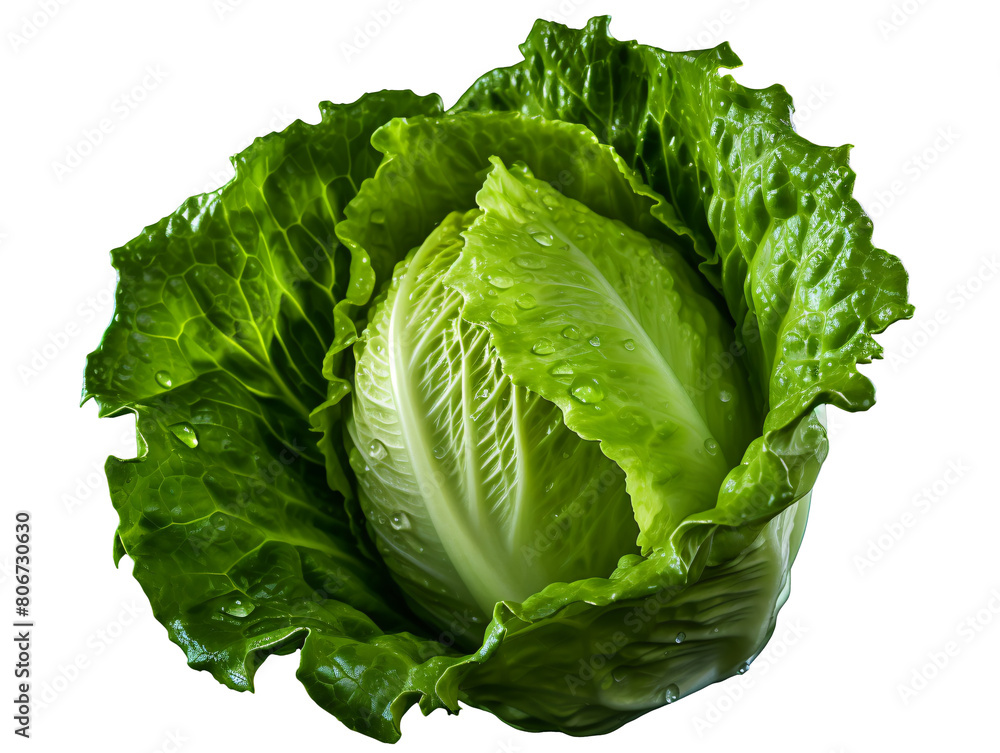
column 517, row 404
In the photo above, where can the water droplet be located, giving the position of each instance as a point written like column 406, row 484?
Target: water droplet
column 500, row 281
column 595, row 341
column 725, row 396
column 163, row 379
column 587, row 390
column 504, row 315
column 440, row 451
column 376, row 450
column 671, row 694
column 185, row 433
column 378, row 217
column 561, row 369
column 526, row 301
column 238, row 607
column 543, row 347
column 541, row 237
column 629, row 344
column 711, row 446
column 529, row 261
column 399, row 521
column 743, row 668
column 680, row 637
column 666, row 430
column 571, row 332
column 667, row 473
column 620, row 674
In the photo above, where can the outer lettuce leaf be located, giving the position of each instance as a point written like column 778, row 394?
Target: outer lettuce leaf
column 596, row 663
column 771, row 215
column 224, row 313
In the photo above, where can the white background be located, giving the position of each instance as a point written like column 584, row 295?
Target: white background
column 912, row 85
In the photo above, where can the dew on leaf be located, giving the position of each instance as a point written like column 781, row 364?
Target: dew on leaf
column 572, row 332
column 587, row 390
column 542, row 238
column 185, row 433
column 237, row 607
column 526, row 301
column 500, row 281
column 376, row 450
column 529, row 261
column 543, row 347
column 503, row 315
column 666, row 430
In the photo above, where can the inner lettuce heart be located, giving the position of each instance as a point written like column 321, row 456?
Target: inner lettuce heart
column 518, row 405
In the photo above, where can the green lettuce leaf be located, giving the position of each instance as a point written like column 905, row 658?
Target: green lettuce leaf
column 435, row 165
column 772, row 220
column 224, row 313
column 615, row 336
